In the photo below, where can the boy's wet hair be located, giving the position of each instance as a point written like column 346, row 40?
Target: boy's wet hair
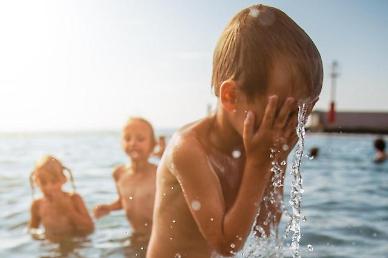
column 145, row 121
column 379, row 144
column 54, row 166
column 251, row 43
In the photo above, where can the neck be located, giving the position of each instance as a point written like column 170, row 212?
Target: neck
column 223, row 136
column 139, row 166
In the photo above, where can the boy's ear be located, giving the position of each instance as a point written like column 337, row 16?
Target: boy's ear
column 228, row 95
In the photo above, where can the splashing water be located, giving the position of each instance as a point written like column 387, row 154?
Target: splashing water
column 195, row 205
column 297, row 185
column 271, row 245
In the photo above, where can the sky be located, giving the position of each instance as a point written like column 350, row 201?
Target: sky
column 90, row 64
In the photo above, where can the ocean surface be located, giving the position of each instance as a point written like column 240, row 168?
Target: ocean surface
column 345, row 197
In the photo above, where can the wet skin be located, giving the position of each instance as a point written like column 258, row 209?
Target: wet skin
column 62, row 214
column 206, row 199
column 135, row 183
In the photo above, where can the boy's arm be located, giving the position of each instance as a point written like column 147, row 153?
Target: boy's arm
column 80, row 216
column 104, row 209
column 272, row 211
column 35, row 217
column 227, row 231
column 117, row 173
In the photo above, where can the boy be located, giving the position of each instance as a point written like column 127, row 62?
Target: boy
column 216, row 171
column 135, row 182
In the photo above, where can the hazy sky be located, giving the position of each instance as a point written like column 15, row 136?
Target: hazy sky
column 74, row 64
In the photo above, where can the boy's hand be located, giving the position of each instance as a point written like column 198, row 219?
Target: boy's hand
column 275, row 131
column 101, row 210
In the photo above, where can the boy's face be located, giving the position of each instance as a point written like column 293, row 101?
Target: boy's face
column 137, row 141
column 281, row 83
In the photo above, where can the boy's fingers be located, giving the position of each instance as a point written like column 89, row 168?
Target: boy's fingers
column 285, row 113
column 248, row 126
column 290, row 128
column 269, row 114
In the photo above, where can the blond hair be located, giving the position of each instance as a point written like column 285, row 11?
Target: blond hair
column 251, row 42
column 51, row 165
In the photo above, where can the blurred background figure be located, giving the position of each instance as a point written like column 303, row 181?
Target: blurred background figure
column 314, row 151
column 380, row 155
column 160, row 147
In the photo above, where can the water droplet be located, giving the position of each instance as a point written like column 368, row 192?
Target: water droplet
column 195, row 205
column 236, row 154
column 173, row 221
column 310, row 248
column 172, row 188
column 130, row 197
column 239, row 237
column 142, row 248
column 283, row 163
column 164, row 194
column 146, row 224
column 285, row 147
column 177, row 255
column 171, row 238
column 232, row 245
column 211, row 219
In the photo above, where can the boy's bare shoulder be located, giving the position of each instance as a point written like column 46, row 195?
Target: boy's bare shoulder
column 118, row 171
column 188, row 143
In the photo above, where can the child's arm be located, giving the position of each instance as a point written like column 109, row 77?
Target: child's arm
column 80, row 216
column 272, row 211
column 226, row 231
column 104, row 209
column 35, row 217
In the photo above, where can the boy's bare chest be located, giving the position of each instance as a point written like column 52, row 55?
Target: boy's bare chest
column 229, row 171
column 135, row 188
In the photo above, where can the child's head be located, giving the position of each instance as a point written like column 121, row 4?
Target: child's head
column 162, row 141
column 263, row 52
column 379, row 144
column 138, row 138
column 49, row 175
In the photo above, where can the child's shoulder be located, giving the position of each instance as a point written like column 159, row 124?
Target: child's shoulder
column 73, row 195
column 36, row 204
column 189, row 142
column 194, row 132
column 118, row 171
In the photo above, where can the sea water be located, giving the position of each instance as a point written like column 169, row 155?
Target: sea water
column 345, row 197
